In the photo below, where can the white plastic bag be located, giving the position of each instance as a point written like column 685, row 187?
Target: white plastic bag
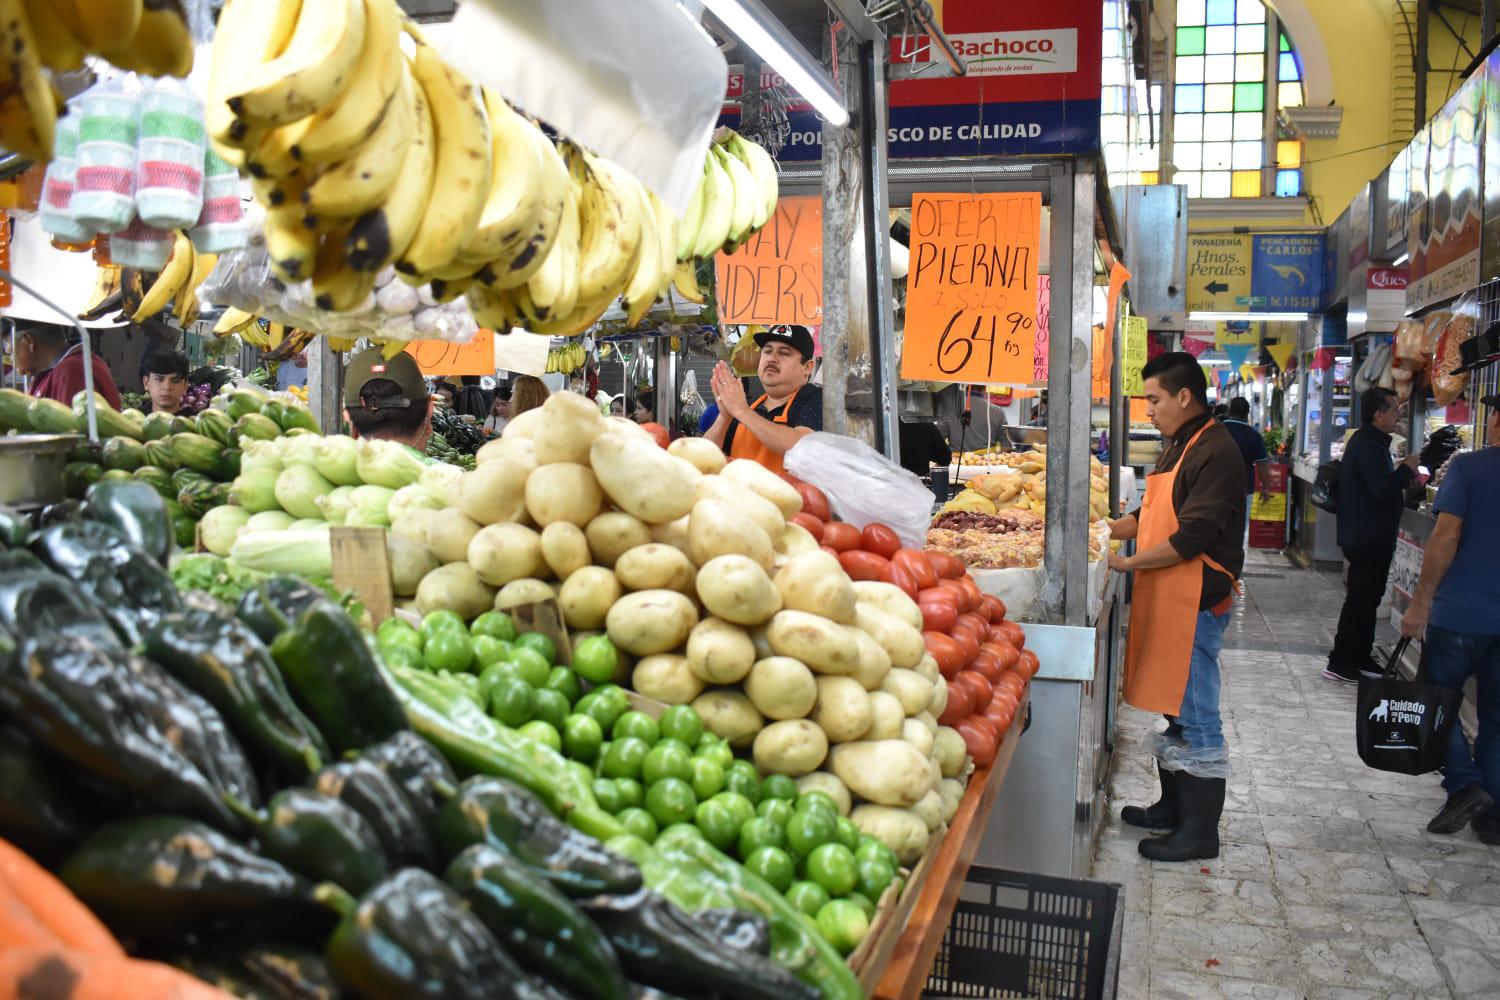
column 863, row 486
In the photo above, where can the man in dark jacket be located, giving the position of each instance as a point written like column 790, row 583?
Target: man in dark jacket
column 1371, row 490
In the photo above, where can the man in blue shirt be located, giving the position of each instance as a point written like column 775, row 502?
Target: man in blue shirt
column 1252, row 449
column 1457, row 606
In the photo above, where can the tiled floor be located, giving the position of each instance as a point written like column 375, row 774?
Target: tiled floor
column 1327, row 885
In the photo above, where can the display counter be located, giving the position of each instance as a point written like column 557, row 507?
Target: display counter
column 1314, row 531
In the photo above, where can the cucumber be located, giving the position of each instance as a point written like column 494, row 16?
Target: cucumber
column 48, row 416
column 13, row 407
column 112, row 423
column 123, row 453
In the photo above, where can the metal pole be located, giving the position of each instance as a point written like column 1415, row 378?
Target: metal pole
column 1486, row 22
column 882, row 312
column 668, row 387
column 842, row 177
column 1118, row 429
column 324, row 385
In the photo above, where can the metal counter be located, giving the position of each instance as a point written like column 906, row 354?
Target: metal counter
column 1315, row 531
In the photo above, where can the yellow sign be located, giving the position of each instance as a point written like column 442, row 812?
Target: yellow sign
column 1272, row 509
column 1218, row 272
column 1227, row 336
column 1281, row 353
column 1135, row 355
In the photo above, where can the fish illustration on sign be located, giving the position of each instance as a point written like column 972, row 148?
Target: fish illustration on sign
column 1285, row 272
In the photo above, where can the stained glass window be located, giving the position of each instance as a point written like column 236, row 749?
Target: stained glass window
column 1226, row 85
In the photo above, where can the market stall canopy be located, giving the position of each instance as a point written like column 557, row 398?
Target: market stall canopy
column 67, row 279
column 644, row 83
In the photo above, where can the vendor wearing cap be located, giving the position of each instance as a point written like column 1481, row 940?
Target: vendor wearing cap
column 787, row 410
column 386, row 398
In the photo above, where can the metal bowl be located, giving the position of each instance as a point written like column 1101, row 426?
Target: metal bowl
column 31, row 467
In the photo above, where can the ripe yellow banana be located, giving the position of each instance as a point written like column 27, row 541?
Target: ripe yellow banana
column 448, row 289
column 462, row 172
column 233, row 321
column 610, row 219
column 687, row 230
column 514, row 186
column 685, row 281
column 335, row 131
column 169, row 281
column 518, row 265
column 56, row 46
column 666, row 241
column 187, row 309
column 28, row 110
column 318, row 62
column 382, row 234
column 647, row 278
column 493, row 309
column 718, row 208
column 337, row 286
column 291, row 243
column 356, row 185
column 763, row 169
column 746, row 195
column 553, row 290
column 100, row 24
column 249, row 33
column 161, row 46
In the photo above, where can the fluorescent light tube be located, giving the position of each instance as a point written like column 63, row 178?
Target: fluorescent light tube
column 1401, row 260
column 1241, row 317
column 764, row 32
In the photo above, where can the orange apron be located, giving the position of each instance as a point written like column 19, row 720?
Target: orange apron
column 1164, row 610
column 747, row 445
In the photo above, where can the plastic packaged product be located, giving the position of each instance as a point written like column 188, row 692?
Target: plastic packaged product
column 57, row 189
column 863, row 485
column 141, row 246
column 170, row 156
column 108, row 130
column 221, row 224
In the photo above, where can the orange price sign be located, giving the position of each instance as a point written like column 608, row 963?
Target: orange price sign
column 971, row 293
column 441, row 357
column 777, row 275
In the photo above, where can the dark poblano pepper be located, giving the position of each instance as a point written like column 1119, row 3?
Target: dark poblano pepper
column 423, row 773
column 36, row 812
column 157, row 877
column 333, row 675
column 321, row 838
column 273, row 606
column 90, row 707
column 495, row 811
column 132, row 588
column 540, row 926
column 223, row 661
column 34, row 601
column 136, row 511
column 267, row 971
column 373, row 794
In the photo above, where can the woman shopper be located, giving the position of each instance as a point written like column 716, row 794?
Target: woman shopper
column 527, row 393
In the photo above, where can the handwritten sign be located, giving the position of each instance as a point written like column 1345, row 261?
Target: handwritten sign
column 1102, row 361
column 1135, row 355
column 777, row 275
column 1043, row 327
column 442, row 357
column 971, row 293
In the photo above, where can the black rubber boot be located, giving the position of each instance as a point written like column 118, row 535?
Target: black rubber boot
column 1201, row 802
column 1161, row 814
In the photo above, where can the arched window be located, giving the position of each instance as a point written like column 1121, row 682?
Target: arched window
column 1234, row 68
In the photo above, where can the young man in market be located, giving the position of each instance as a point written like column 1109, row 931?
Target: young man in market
column 164, row 377
column 1189, row 535
column 788, row 409
column 1372, row 492
column 1252, row 450
column 1453, row 613
column 43, row 352
column 386, row 399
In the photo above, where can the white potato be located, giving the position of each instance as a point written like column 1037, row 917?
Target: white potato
column 706, row 457
column 781, row 688
column 874, row 661
column 650, row 621
column 825, row 646
column 728, row 714
column 914, row 694
column 886, row 772
column 673, row 533
column 494, row 492
column 414, row 524
column 564, row 548
column 762, row 640
column 457, row 588
column 522, row 425
column 735, row 588
column 667, row 678
column 902, row 830
column 501, row 553
column 642, row 479
column 614, row 533
column 586, row 597
column 519, row 450
column 917, row 735
column 714, row 529
column 449, row 533
column 829, row 785
column 410, row 561
column 939, row 697
column 719, row 652
column 745, row 505
column 927, row 667
column 568, row 426
column 815, row 582
column 797, row 540
column 518, row 592
column 794, row 747
column 655, row 566
column 759, row 479
column 950, row 750
column 951, row 790
column 563, row 491
column 930, row 810
column 926, row 719
column 900, row 640
column 886, row 716
column 843, row 709
column 891, row 599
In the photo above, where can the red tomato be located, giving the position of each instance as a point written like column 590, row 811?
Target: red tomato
column 980, row 738
column 861, row 565
column 1014, row 634
column 945, row 564
column 995, row 608
column 959, row 594
column 898, row 577
column 980, row 685
column 879, row 539
column 1014, row 682
column 1027, row 664
column 1005, row 654
column 1000, row 712
column 937, row 616
column 832, row 552
column 976, row 596
column 967, row 642
column 915, row 562
column 939, row 594
column 948, row 653
column 657, row 432
column 814, row 525
column 960, row 704
column 814, row 501
column 840, row 536
column 988, row 664
column 976, row 623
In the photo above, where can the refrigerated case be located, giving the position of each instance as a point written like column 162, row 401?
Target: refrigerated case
column 1325, row 420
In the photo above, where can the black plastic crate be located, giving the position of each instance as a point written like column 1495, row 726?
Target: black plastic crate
column 1020, row 935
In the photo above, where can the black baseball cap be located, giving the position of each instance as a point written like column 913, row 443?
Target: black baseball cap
column 1493, row 400
column 371, row 364
column 799, row 337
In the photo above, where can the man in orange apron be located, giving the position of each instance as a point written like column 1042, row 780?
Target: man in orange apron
column 788, row 409
column 1189, row 553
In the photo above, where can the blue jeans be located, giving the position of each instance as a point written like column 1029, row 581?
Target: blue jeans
column 1451, row 658
column 1194, row 741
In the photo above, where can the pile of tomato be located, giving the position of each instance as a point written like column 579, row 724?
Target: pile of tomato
column 980, row 652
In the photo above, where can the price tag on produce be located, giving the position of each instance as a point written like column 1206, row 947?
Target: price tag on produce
column 1135, row 356
column 777, row 276
column 442, row 357
column 971, row 299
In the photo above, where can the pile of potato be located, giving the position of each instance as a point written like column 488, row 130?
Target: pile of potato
column 691, row 567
